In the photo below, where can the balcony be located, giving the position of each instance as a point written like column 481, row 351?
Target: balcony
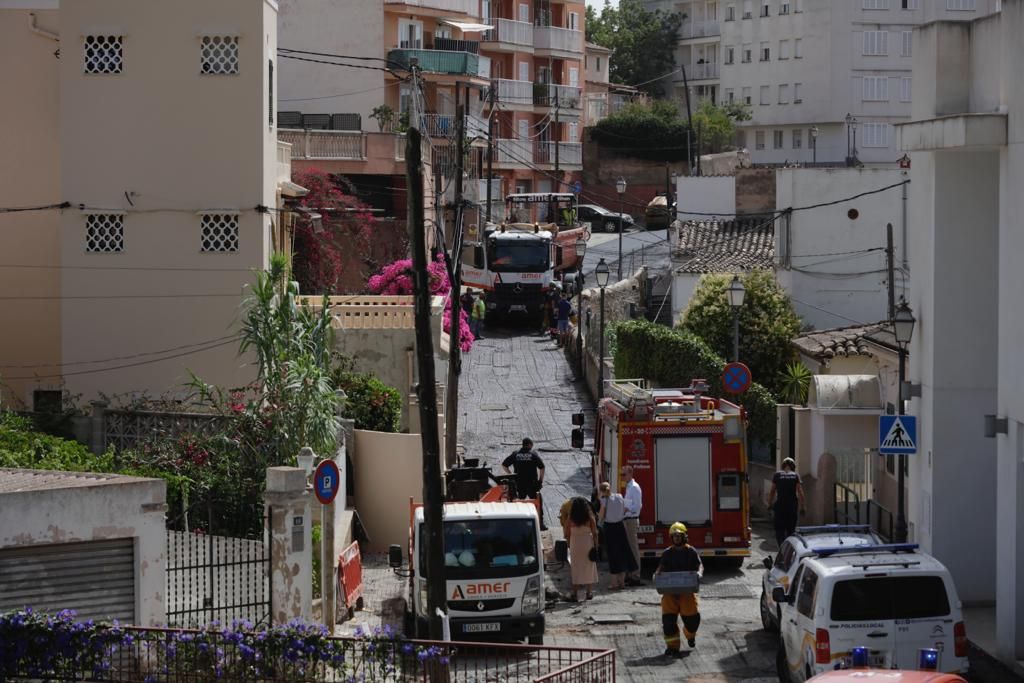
column 557, row 39
column 452, row 45
column 700, row 29
column 513, row 153
column 510, row 32
column 568, row 153
column 440, row 61
column 464, row 6
column 550, row 94
column 325, row 144
column 514, row 92
column 284, row 161
column 698, row 72
column 443, row 125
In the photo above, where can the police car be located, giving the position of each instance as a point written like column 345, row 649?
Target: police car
column 886, row 602
column 780, row 571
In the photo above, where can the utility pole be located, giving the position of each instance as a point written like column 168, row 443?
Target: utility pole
column 699, row 147
column 557, row 136
column 891, row 270
column 689, row 122
column 426, row 390
column 490, row 149
column 451, row 416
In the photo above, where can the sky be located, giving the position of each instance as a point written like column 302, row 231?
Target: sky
column 598, row 4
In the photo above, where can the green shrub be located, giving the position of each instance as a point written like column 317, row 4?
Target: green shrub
column 371, row 403
column 673, row 358
column 22, row 446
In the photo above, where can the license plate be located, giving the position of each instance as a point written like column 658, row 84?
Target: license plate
column 487, row 627
column 517, row 307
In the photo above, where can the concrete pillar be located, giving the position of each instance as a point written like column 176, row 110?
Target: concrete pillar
column 98, row 427
column 1010, row 550
column 288, row 504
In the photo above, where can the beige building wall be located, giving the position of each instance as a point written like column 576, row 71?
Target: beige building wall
column 29, row 176
column 161, row 143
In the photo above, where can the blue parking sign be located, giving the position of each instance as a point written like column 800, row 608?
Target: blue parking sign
column 897, row 434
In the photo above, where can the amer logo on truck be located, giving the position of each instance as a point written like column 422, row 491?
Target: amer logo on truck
column 475, row 589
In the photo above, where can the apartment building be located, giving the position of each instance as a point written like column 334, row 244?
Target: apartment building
column 825, row 80
column 154, row 127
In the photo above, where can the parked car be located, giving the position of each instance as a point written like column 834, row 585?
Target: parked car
column 892, row 600
column 780, row 571
column 659, row 213
column 601, row 218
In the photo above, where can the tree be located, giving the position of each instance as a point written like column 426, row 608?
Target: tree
column 642, row 43
column 767, row 324
column 647, row 130
column 716, row 124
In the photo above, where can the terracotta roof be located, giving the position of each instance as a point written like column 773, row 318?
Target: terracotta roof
column 594, row 47
column 724, row 246
column 16, row 480
column 854, row 340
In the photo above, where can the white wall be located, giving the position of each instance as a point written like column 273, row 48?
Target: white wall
column 836, row 266
column 711, row 195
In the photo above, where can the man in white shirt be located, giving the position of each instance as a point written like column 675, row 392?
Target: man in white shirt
column 634, row 503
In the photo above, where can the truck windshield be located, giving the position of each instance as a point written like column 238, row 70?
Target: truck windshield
column 488, row 548
column 520, row 256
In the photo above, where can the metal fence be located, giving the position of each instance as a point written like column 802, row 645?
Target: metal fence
column 130, row 429
column 850, row 509
column 141, row 655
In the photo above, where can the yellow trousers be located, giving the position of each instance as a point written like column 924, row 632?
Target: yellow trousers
column 673, row 607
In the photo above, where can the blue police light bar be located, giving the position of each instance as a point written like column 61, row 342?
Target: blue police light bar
column 866, row 549
column 826, row 528
column 928, row 659
column 859, row 657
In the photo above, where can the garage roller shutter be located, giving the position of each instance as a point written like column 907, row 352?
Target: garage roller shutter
column 96, row 579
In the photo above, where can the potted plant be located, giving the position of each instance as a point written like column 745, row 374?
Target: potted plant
column 384, row 115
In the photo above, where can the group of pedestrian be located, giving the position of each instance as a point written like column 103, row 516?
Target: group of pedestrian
column 473, row 304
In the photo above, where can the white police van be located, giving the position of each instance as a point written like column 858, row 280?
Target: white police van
column 780, row 571
column 891, row 599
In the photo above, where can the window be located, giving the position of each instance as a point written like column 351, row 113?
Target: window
column 748, row 8
column 783, row 49
column 787, row 553
column 876, row 42
column 270, row 91
column 219, row 55
column 574, row 21
column 876, row 134
column 219, row 232
column 784, row 8
column 777, row 139
column 766, row 94
column 104, row 233
column 524, row 129
column 876, row 89
column 798, row 138
column 906, row 43
column 764, row 10
column 960, row 5
column 885, row 598
column 730, row 55
column 797, row 96
column 798, row 6
column 746, row 54
column 574, row 77
column 759, row 139
column 798, row 48
column 524, row 12
column 876, row 4
column 784, row 94
column 524, row 71
column 730, row 13
column 410, row 34
column 574, row 133
column 730, row 95
column 766, row 52
column 741, row 139
column 805, row 596
column 49, row 401
column 905, row 89
column 103, row 54
column 598, row 63
column 908, row 4
column 746, row 95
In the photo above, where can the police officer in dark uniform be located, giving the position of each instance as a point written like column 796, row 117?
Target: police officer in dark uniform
column 786, row 498
column 529, row 471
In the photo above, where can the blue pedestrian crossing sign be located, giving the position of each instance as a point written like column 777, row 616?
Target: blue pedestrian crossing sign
column 577, row 187
column 897, row 434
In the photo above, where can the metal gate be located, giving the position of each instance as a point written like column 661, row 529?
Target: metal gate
column 218, row 578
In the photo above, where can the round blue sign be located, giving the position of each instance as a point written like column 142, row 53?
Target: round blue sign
column 326, row 482
column 577, row 187
column 736, row 378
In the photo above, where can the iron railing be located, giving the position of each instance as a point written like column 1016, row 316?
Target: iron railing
column 878, row 517
column 437, row 61
column 454, row 45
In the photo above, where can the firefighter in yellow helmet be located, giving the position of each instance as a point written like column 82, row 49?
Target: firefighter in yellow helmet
column 679, row 557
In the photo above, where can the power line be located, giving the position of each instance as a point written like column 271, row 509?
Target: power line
column 348, row 66
column 117, row 358
column 41, row 207
column 825, row 310
column 39, row 266
column 338, row 95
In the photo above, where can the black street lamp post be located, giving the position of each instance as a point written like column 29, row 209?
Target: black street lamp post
column 620, row 187
column 814, row 143
column 581, row 250
column 903, row 328
column 736, row 292
column 601, row 274
column 851, row 148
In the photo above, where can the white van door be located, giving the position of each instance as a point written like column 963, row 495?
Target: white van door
column 683, row 480
column 860, row 614
column 924, row 618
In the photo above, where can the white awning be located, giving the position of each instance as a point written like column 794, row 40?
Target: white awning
column 467, row 25
column 290, row 189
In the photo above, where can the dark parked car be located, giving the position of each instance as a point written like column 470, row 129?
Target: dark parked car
column 601, row 218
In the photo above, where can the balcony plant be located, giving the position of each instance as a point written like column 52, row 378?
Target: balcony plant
column 384, row 115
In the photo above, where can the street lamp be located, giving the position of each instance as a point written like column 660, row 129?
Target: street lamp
column 581, row 249
column 675, row 186
column 851, row 148
column 736, row 292
column 601, row 276
column 814, row 143
column 620, row 187
column 903, row 329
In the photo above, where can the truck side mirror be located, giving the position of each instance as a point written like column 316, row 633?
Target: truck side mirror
column 577, row 419
column 577, row 438
column 395, row 556
column 779, row 595
column 478, row 256
column 768, row 562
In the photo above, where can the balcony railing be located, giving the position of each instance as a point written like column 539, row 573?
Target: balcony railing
column 325, row 144
column 443, row 125
column 703, row 71
column 555, row 38
column 514, row 152
column 437, row 61
column 510, row 31
column 700, row 29
column 452, row 45
column 550, row 94
column 463, row 6
column 514, row 92
column 569, row 153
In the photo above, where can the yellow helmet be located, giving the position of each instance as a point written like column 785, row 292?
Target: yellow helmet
column 677, row 528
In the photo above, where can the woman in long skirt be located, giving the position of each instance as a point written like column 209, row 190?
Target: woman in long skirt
column 620, row 557
column 581, row 531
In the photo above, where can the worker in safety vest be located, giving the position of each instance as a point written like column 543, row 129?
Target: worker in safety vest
column 679, row 557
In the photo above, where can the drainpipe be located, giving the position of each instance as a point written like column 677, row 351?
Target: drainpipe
column 40, row 31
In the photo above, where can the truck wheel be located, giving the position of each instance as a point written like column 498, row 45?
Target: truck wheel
column 536, row 640
column 766, row 618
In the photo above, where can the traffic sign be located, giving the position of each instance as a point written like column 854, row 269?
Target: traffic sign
column 897, row 434
column 326, row 482
column 577, row 187
column 736, row 378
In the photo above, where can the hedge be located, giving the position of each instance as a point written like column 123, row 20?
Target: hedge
column 670, row 357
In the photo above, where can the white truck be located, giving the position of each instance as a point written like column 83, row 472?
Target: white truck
column 494, row 569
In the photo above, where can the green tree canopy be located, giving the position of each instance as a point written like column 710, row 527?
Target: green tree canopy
column 647, row 130
column 767, row 324
column 715, row 125
column 642, row 43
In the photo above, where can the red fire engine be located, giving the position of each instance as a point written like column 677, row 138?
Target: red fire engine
column 688, row 453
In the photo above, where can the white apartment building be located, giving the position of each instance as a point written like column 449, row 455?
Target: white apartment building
column 807, row 67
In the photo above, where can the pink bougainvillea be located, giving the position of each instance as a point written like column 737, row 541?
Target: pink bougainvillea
column 396, row 279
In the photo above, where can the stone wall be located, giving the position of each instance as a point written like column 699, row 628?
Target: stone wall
column 755, row 190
